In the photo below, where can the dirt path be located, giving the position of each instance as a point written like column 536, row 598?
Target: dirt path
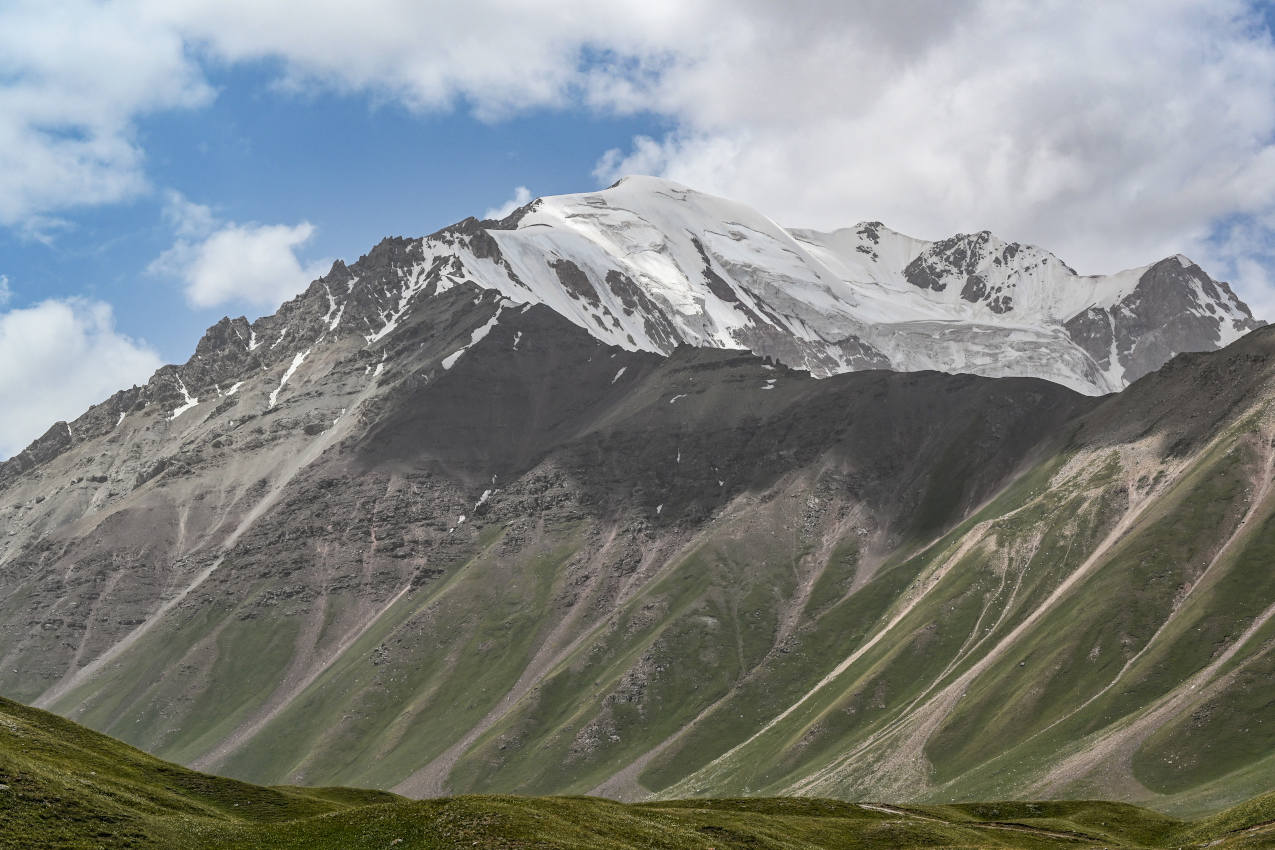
column 1123, row 743
column 289, row 690
column 623, row 784
column 1240, row 532
column 972, row 538
column 907, row 760
column 430, row 780
column 1011, row 827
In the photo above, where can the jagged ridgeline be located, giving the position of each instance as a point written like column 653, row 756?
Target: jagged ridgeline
column 555, row 505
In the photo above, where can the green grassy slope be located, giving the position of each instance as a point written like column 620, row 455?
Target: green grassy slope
column 63, row 786
column 66, row 786
column 906, row 587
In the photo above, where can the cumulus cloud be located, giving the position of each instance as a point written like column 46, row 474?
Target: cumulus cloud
column 57, row 358
column 1108, row 140
column 74, row 77
column 521, row 196
column 1111, row 133
column 220, row 262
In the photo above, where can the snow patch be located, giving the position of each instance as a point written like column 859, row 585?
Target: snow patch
column 336, row 319
column 279, row 340
column 674, row 399
column 296, row 363
column 769, row 385
column 391, row 318
column 517, row 339
column 476, row 337
column 619, row 374
column 659, row 509
column 234, row 388
column 252, row 341
column 189, row 403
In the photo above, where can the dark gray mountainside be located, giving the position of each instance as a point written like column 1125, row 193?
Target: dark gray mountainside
column 412, row 533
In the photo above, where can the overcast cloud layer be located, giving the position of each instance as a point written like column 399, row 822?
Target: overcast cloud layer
column 1110, row 133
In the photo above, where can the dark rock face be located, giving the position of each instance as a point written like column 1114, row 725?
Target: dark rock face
column 535, row 431
column 716, row 284
column 46, row 447
column 635, row 300
column 960, row 256
column 1092, row 330
column 1173, row 309
column 575, row 281
column 959, row 260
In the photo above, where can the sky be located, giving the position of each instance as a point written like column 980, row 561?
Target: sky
column 167, row 162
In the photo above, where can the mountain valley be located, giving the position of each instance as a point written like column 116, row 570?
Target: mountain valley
column 637, row 495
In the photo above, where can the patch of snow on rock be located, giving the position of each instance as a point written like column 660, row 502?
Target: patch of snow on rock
column 189, row 403
column 296, row 363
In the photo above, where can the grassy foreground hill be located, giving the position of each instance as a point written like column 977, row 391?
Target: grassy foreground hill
column 62, row 785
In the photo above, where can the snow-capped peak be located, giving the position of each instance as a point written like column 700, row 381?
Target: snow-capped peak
column 651, row 264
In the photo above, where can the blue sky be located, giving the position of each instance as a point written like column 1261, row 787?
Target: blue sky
column 167, row 162
column 355, row 168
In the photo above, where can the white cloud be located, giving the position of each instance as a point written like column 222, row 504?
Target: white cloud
column 74, row 76
column 6, row 292
column 57, row 358
column 187, row 218
column 1111, row 133
column 1113, row 136
column 219, row 262
column 521, row 196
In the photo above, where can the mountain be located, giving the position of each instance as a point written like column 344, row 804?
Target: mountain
column 649, row 264
column 439, row 526
column 67, row 787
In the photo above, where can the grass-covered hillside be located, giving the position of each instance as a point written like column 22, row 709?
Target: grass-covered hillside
column 558, row 568
column 62, row 785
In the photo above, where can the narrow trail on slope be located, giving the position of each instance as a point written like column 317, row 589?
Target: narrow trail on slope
column 623, row 785
column 290, row 470
column 1002, row 825
column 972, row 538
column 287, row 692
column 430, row 780
column 1264, row 488
column 924, row 719
column 1198, row 687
